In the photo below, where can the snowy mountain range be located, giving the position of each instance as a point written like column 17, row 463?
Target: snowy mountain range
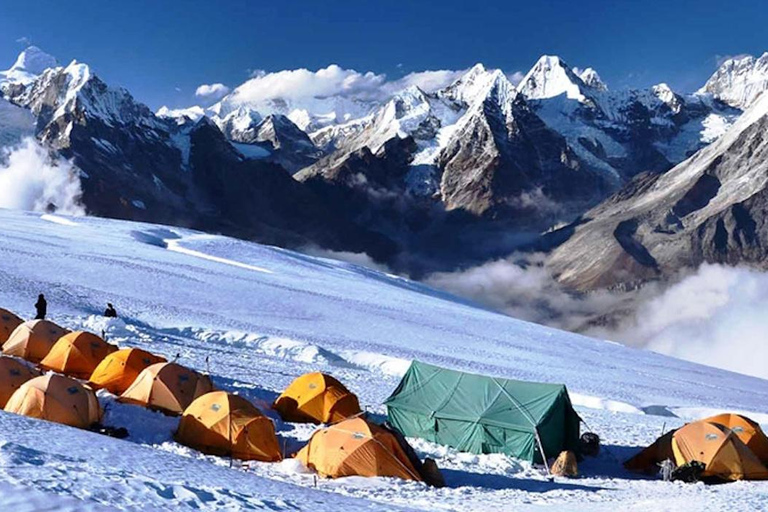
column 710, row 208
column 420, row 179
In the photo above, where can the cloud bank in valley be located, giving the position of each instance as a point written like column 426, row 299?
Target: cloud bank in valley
column 715, row 316
column 30, row 179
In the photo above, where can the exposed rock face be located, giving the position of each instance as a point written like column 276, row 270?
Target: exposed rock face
column 280, row 139
column 711, row 208
column 467, row 159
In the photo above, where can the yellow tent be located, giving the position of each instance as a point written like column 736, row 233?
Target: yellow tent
column 56, row 398
column 77, row 354
column 33, row 340
column 167, row 387
column 220, row 423
column 316, row 398
column 119, row 369
column 356, row 447
column 13, row 373
column 8, row 322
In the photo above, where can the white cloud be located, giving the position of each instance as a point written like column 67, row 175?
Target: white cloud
column 715, row 316
column 428, row 81
column 31, row 180
column 212, row 92
column 298, row 85
column 522, row 287
column 302, row 83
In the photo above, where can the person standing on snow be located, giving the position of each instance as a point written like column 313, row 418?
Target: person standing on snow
column 110, row 312
column 42, row 307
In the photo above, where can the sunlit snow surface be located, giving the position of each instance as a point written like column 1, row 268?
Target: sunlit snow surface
column 263, row 316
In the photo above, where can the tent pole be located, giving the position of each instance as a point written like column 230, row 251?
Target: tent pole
column 541, row 449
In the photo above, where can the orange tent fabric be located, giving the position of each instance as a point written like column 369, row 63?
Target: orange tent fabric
column 77, row 354
column 168, row 387
column 13, row 373
column 8, row 322
column 648, row 460
column 724, row 455
column 119, row 369
column 747, row 430
column 356, row 447
column 33, row 340
column 316, row 398
column 220, row 423
column 56, row 398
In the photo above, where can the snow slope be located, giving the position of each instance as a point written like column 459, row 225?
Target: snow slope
column 262, row 316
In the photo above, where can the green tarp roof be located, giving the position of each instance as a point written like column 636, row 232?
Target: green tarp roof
column 483, row 414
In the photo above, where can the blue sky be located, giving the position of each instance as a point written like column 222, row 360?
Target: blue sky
column 162, row 50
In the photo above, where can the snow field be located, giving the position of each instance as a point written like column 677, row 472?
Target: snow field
column 259, row 330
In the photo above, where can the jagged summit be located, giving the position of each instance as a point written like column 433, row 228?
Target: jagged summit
column 181, row 115
column 739, row 80
column 476, row 84
column 29, row 64
column 592, row 79
column 551, row 77
column 34, row 60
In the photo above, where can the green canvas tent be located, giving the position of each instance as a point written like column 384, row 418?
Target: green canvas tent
column 479, row 414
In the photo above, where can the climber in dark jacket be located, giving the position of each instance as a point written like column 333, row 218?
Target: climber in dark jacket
column 110, row 311
column 42, row 307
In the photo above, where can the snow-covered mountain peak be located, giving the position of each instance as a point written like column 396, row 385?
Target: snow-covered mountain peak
column 666, row 95
column 73, row 93
column 551, row 77
column 181, row 115
column 239, row 124
column 592, row 79
column 34, row 60
column 309, row 110
column 739, row 80
column 29, row 65
column 476, row 84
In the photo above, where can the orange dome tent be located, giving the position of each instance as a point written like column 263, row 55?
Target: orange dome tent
column 77, row 354
column 56, row 398
column 356, row 447
column 119, row 369
column 648, row 460
column 8, row 322
column 13, row 373
column 167, row 387
column 33, row 340
column 723, row 454
column 747, row 430
column 316, row 398
column 220, row 423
